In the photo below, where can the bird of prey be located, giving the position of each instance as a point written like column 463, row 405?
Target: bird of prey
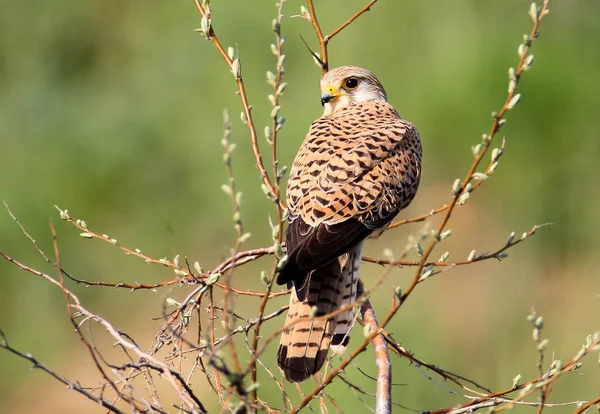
column 358, row 166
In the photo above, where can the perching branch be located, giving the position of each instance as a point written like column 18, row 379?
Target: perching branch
column 383, row 396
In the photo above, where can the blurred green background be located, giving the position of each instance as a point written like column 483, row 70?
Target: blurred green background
column 114, row 109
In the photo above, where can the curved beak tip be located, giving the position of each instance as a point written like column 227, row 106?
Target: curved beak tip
column 326, row 98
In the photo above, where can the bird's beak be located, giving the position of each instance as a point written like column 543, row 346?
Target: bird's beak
column 330, row 93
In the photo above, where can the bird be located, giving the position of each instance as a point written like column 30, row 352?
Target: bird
column 359, row 165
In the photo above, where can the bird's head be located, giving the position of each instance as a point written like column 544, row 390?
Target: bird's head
column 347, row 85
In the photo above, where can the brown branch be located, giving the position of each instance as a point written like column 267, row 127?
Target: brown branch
column 324, row 39
column 528, row 387
column 231, row 262
column 587, row 406
column 476, row 184
column 67, row 296
column 383, row 399
column 484, row 256
column 213, row 345
column 70, row 385
column 278, row 87
column 26, row 234
column 350, row 20
column 320, row 36
column 236, row 70
column 497, row 123
column 445, row 374
column 335, row 372
column 75, row 303
column 141, row 365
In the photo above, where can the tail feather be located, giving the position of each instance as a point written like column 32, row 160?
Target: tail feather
column 306, row 340
column 345, row 320
column 304, row 345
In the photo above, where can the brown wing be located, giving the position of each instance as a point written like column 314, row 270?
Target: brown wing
column 355, row 170
column 312, row 247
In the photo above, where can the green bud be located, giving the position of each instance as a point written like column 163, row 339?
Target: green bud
column 282, row 262
column 427, row 272
column 514, row 100
column 511, row 237
column 212, row 279
column 180, row 272
column 172, row 302
column 528, row 62
column 533, row 12
column 516, row 381
column 236, row 69
column 227, row 189
column 456, row 186
column 539, row 322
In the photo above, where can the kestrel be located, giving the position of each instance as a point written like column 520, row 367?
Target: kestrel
column 359, row 165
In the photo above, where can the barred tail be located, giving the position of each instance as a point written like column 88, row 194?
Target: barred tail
column 304, row 344
column 345, row 320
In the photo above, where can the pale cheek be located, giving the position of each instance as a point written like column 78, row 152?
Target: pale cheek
column 328, row 109
column 363, row 96
column 332, row 107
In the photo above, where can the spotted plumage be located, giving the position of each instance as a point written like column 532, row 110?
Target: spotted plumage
column 358, row 166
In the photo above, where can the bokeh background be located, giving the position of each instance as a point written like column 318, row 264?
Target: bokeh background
column 114, row 109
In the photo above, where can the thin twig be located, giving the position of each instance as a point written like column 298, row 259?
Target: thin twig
column 70, row 385
column 212, row 37
column 324, row 39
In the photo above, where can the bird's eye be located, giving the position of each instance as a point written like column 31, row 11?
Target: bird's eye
column 351, row 83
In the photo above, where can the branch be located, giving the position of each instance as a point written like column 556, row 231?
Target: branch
column 530, row 386
column 462, row 188
column 498, row 254
column 320, row 37
column 324, row 40
column 587, row 406
column 234, row 66
column 383, row 399
column 350, row 20
column 71, row 385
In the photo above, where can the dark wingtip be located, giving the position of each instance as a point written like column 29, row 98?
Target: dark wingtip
column 298, row 369
column 288, row 272
column 293, row 276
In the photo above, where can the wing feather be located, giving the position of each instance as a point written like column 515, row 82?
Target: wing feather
column 355, row 170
